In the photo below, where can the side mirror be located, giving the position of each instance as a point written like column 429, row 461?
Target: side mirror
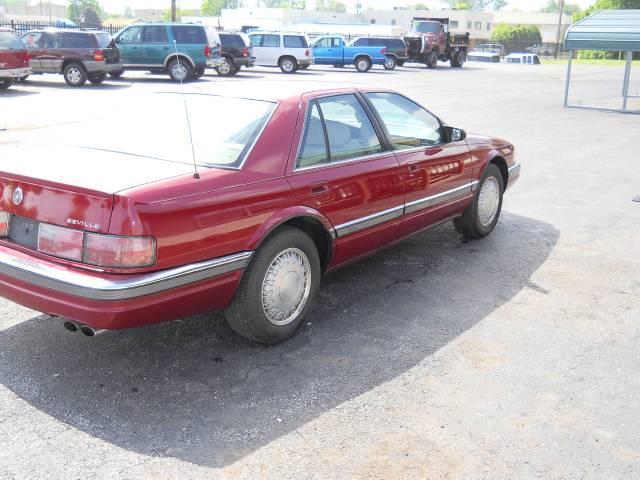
column 456, row 134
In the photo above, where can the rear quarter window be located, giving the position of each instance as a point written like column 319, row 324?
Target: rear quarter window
column 104, row 39
column 189, row 34
column 396, row 43
column 295, row 41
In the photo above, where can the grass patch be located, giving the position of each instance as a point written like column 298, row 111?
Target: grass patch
column 587, row 61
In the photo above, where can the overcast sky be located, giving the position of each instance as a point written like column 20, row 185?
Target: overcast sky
column 524, row 5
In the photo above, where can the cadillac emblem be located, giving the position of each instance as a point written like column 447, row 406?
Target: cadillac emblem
column 17, row 196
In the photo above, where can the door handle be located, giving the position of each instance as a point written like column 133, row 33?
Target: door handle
column 319, row 189
column 432, row 151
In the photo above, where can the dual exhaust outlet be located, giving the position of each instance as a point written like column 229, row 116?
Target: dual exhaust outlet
column 82, row 328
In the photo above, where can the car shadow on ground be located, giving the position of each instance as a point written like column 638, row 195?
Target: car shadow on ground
column 193, row 390
column 107, row 85
column 17, row 91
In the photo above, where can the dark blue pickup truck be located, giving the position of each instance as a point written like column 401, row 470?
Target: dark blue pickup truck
column 332, row 50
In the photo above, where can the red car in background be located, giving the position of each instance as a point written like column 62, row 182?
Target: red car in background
column 286, row 188
column 14, row 59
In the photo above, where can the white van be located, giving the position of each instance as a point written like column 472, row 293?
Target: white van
column 289, row 51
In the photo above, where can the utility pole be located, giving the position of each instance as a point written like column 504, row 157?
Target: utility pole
column 555, row 55
column 173, row 10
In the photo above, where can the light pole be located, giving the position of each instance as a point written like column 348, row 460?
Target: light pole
column 555, row 54
column 173, row 10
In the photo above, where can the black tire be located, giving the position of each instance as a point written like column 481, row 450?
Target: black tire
column 457, row 59
column 227, row 68
column 116, row 73
column 4, row 84
column 470, row 224
column 288, row 65
column 362, row 64
column 75, row 74
column 432, row 60
column 180, row 70
column 97, row 78
column 198, row 73
column 246, row 314
column 390, row 62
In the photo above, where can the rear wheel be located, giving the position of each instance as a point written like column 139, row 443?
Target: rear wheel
column 278, row 288
column 179, row 70
column 288, row 65
column 116, row 73
column 4, row 84
column 480, row 218
column 432, row 60
column 226, row 68
column 390, row 62
column 457, row 59
column 98, row 78
column 75, row 75
column 363, row 64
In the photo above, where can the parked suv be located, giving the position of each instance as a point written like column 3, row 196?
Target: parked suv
column 397, row 52
column 14, row 58
column 289, row 51
column 182, row 50
column 236, row 52
column 77, row 55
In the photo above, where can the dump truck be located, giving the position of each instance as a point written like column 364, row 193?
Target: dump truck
column 430, row 40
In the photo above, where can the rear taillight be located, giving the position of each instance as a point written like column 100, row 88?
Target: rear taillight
column 245, row 52
column 306, row 52
column 383, row 51
column 98, row 56
column 60, row 241
column 5, row 218
column 207, row 51
column 119, row 252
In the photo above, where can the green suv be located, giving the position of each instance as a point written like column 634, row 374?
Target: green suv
column 182, row 50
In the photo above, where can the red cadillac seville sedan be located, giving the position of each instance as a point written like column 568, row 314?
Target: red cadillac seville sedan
column 280, row 191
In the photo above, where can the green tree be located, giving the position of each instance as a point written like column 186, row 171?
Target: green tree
column 214, row 7
column 330, row 6
column 516, row 33
column 553, row 6
column 607, row 5
column 419, row 6
column 84, row 11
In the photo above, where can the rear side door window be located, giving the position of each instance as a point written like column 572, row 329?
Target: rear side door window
column 271, row 41
column 407, row 123
column 32, row 39
column 338, row 128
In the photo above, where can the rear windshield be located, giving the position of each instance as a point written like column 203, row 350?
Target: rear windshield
column 9, row 41
column 104, row 39
column 232, row 41
column 189, row 34
column 159, row 130
column 75, row 40
column 295, row 41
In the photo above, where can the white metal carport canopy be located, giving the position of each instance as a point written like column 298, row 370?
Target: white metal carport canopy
column 613, row 30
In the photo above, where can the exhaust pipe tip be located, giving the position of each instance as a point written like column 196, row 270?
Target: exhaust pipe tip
column 89, row 331
column 71, row 326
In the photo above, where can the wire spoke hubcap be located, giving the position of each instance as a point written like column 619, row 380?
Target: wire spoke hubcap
column 286, row 286
column 488, row 201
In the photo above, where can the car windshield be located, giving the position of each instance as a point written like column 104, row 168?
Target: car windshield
column 223, row 129
column 104, row 39
column 426, row 27
column 8, row 41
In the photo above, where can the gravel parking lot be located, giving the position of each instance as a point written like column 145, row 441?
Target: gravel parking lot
column 511, row 357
